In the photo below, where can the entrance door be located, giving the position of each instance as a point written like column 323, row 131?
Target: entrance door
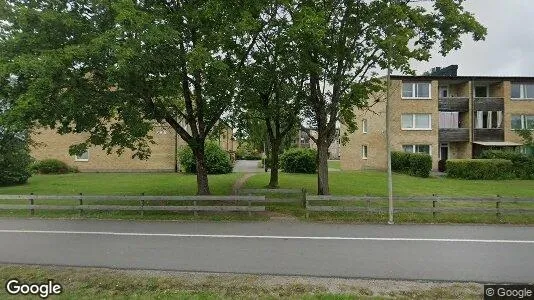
column 444, row 152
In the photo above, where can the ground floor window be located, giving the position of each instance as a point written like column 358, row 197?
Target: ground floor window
column 82, row 157
column 364, row 151
column 426, row 149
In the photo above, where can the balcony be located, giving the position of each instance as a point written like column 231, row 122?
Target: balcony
column 488, row 135
column 459, row 104
column 488, row 104
column 453, row 135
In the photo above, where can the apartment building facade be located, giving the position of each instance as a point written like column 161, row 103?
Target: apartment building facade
column 444, row 116
column 48, row 144
column 302, row 140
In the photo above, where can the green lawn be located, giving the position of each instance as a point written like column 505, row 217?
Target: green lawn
column 91, row 283
column 121, row 184
column 374, row 183
column 334, row 164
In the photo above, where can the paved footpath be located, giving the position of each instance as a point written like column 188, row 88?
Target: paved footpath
column 415, row 252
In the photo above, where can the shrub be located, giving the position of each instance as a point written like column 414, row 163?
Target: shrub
column 217, row 160
column 299, row 160
column 523, row 164
column 414, row 164
column 483, row 169
column 265, row 160
column 15, row 160
column 52, row 166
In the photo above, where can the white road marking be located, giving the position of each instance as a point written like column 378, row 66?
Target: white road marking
column 273, row 237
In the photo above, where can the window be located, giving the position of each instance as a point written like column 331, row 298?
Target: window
column 83, row 157
column 522, row 91
column 425, row 149
column 522, row 122
column 416, row 90
column 488, row 119
column 416, row 122
column 482, row 91
column 364, row 151
column 449, row 119
column 364, row 125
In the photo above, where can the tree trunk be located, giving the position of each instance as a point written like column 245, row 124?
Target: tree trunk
column 322, row 167
column 275, row 153
column 202, row 173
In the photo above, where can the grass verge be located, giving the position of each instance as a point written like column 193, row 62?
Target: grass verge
column 90, row 283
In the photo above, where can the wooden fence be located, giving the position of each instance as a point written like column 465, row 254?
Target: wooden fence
column 141, row 207
column 435, row 200
column 274, row 195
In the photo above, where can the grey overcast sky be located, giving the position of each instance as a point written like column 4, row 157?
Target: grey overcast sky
column 509, row 46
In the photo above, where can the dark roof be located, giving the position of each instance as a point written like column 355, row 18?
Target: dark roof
column 481, row 78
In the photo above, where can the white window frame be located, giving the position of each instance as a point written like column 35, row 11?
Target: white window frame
column 523, row 122
column 415, row 145
column 364, row 126
column 414, row 90
column 413, row 122
column 77, row 158
column 521, row 92
column 365, row 151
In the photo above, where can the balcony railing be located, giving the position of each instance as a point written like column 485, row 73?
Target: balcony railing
column 460, row 104
column 488, row 135
column 453, row 135
column 488, row 104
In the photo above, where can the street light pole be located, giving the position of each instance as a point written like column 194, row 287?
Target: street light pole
column 390, row 175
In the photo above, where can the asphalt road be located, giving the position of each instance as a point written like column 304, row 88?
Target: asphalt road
column 497, row 254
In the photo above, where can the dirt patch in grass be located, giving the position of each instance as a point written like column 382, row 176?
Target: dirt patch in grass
column 93, row 283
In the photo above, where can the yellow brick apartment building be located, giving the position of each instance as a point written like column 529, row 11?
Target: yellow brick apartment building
column 48, row 144
column 444, row 116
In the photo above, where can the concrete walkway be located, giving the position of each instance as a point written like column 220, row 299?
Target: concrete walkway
column 247, row 166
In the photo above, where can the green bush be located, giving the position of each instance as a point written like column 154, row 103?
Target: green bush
column 414, row 164
column 480, row 169
column 265, row 160
column 299, row 160
column 217, row 160
column 15, row 160
column 52, row 166
column 523, row 164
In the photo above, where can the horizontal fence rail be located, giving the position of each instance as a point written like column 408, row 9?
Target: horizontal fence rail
column 290, row 195
column 142, row 200
column 434, row 200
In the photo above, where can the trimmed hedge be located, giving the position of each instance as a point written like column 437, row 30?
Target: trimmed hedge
column 217, row 160
column 414, row 164
column 523, row 164
column 480, row 169
column 299, row 160
column 52, row 166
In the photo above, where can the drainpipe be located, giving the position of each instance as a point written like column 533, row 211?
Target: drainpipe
column 175, row 152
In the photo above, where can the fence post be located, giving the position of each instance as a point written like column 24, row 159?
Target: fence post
column 306, row 205
column 142, row 205
column 80, row 199
column 368, row 204
column 303, row 202
column 32, row 211
column 195, row 212
column 436, row 198
column 498, row 206
column 249, row 207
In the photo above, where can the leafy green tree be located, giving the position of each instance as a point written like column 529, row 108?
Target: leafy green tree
column 113, row 68
column 15, row 158
column 271, row 85
column 528, row 139
column 341, row 43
